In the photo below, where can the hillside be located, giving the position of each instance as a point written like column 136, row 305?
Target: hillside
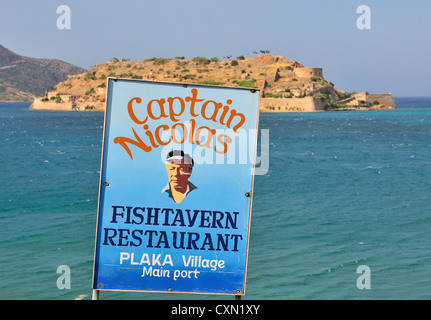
column 23, row 78
column 285, row 85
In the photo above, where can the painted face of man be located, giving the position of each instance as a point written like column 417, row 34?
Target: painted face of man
column 179, row 173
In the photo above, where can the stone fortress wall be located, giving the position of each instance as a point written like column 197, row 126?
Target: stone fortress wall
column 285, row 85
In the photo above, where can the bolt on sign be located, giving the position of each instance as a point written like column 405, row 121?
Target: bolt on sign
column 175, row 192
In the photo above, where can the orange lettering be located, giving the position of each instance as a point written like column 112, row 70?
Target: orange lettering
column 225, row 110
column 161, row 103
column 217, row 106
column 173, row 131
column 138, row 143
column 132, row 113
column 171, row 108
column 150, row 135
column 157, row 134
column 211, row 132
column 233, row 114
column 193, row 100
column 192, row 130
column 219, row 139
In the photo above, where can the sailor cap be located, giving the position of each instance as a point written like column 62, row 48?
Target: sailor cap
column 181, row 156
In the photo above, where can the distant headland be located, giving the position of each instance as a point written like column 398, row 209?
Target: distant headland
column 22, row 78
column 285, row 85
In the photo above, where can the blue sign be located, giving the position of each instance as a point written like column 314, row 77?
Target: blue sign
column 176, row 188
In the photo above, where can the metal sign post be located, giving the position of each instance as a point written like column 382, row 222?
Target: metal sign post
column 95, row 295
column 176, row 188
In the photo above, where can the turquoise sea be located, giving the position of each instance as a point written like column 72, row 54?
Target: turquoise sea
column 344, row 189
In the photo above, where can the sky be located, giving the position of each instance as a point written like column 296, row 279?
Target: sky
column 392, row 56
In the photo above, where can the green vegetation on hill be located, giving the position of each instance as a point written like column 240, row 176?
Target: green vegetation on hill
column 285, row 85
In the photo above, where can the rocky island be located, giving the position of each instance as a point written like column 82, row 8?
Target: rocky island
column 285, row 85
